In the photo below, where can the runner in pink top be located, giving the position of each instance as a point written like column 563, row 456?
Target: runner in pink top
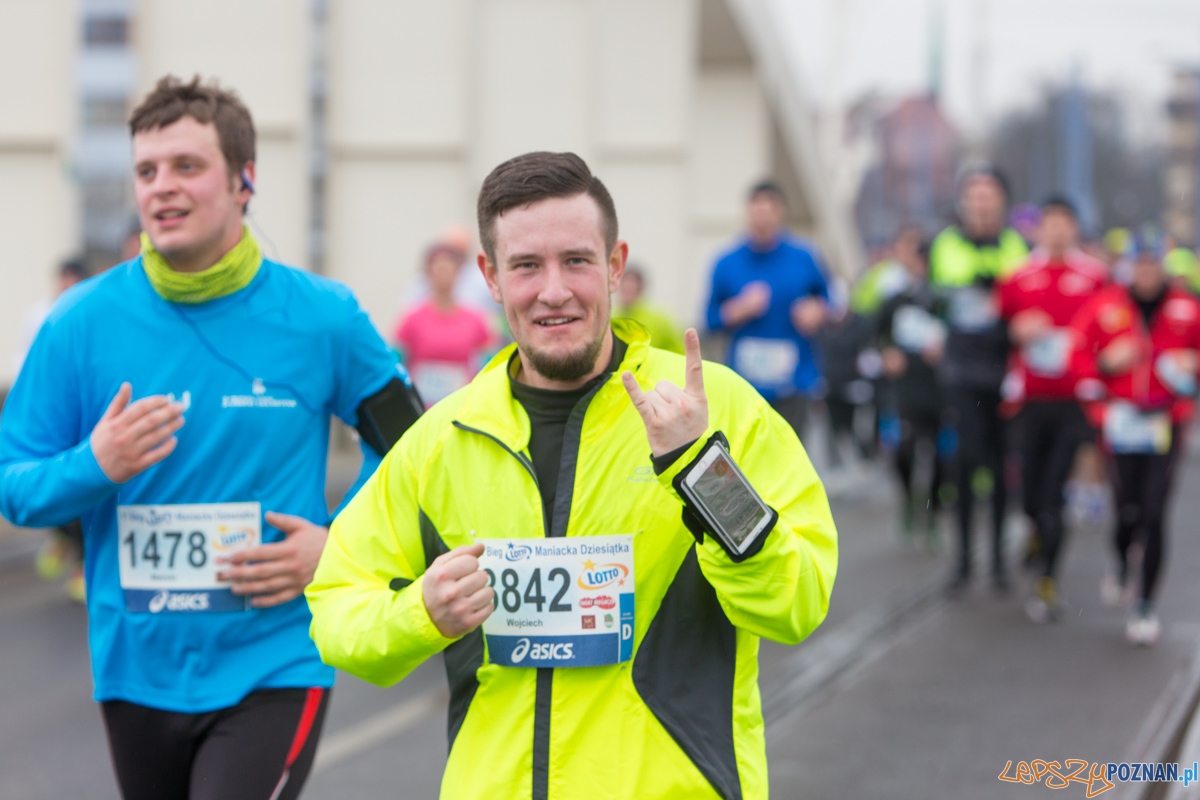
column 442, row 342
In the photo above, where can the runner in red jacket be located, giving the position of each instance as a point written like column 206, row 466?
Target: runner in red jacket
column 1038, row 302
column 1137, row 361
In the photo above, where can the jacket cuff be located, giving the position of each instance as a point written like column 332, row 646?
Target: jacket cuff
column 663, row 463
column 416, row 621
column 666, row 478
column 86, row 471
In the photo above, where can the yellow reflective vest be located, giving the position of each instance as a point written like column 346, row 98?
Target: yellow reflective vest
column 683, row 717
column 954, row 260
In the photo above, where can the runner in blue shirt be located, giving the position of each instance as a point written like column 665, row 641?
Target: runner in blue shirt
column 769, row 293
column 200, row 537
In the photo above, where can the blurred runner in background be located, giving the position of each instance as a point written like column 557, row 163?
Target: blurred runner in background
column 1038, row 302
column 209, row 684
column 1181, row 265
column 442, row 341
column 769, row 294
column 911, row 341
column 63, row 550
column 1137, row 359
column 887, row 277
column 874, row 288
column 665, row 333
column 965, row 261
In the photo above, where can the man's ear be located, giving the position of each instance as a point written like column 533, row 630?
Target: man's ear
column 489, row 274
column 616, row 265
column 244, row 182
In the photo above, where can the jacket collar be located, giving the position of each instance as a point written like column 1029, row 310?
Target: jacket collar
column 490, row 407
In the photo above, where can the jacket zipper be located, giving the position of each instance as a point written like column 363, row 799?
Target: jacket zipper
column 525, row 462
column 545, row 675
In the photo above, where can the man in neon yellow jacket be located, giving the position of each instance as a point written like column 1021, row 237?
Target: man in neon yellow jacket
column 545, row 450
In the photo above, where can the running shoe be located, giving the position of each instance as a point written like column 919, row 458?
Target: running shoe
column 1114, row 593
column 1143, row 629
column 1042, row 605
column 76, row 587
column 53, row 558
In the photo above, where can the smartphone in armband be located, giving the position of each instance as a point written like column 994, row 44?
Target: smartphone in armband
column 732, row 511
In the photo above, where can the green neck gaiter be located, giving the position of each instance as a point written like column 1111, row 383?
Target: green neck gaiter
column 234, row 271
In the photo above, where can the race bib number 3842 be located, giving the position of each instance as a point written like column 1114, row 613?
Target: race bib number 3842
column 168, row 554
column 560, row 602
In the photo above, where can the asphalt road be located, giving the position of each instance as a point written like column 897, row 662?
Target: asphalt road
column 900, row 694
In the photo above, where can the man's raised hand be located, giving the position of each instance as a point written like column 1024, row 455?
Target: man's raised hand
column 132, row 437
column 673, row 417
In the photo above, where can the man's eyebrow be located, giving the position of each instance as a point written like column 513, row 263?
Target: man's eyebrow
column 572, row 253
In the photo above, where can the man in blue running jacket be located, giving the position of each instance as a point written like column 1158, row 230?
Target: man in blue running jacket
column 769, row 294
column 200, row 538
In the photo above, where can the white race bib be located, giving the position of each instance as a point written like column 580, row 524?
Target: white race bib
column 916, row 330
column 437, row 380
column 563, row 602
column 1173, row 374
column 167, row 554
column 972, row 309
column 1129, row 430
column 1048, row 354
column 766, row 362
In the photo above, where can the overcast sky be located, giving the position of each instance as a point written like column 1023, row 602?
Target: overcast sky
column 1127, row 45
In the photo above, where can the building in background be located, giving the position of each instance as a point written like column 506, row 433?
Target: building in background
column 105, row 76
column 39, row 202
column 1077, row 142
column 1181, row 181
column 378, row 119
column 913, row 178
column 679, row 105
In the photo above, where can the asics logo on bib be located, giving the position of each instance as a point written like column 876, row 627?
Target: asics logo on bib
column 179, row 601
column 563, row 651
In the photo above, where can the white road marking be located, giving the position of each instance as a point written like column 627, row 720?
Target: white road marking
column 377, row 729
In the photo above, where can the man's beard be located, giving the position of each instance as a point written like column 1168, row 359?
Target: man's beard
column 570, row 367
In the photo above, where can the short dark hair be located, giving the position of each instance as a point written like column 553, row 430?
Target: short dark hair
column 439, row 250
column 529, row 178
column 172, row 99
column 985, row 171
column 767, row 186
column 74, row 267
column 1059, row 202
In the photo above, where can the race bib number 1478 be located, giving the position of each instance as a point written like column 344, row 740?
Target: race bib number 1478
column 168, row 554
column 560, row 602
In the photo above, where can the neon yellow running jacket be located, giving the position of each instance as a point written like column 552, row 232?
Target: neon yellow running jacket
column 683, row 718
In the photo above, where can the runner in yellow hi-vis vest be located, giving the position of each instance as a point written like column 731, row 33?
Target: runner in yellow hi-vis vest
column 600, row 630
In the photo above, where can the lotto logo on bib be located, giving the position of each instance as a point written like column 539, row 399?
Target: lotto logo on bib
column 547, row 595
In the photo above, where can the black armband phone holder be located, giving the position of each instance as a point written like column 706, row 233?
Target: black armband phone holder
column 695, row 520
column 386, row 415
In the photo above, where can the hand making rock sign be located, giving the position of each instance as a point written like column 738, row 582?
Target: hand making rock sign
column 673, row 417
